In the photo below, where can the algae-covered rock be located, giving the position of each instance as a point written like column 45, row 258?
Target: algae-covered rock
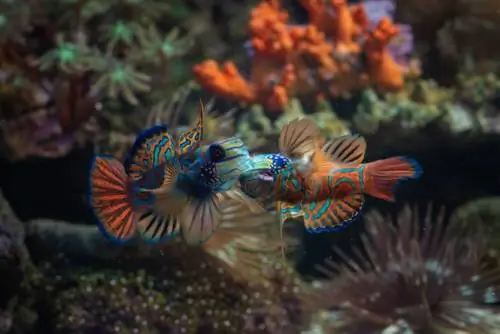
column 328, row 120
column 477, row 90
column 484, row 211
column 374, row 110
column 420, row 105
column 323, row 115
column 253, row 126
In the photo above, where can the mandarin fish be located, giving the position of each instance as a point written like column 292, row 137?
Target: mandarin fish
column 168, row 198
column 326, row 186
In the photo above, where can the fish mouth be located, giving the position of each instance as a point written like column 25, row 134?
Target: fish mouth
column 266, row 175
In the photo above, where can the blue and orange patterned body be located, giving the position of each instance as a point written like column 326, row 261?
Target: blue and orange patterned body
column 335, row 184
column 152, row 148
column 327, row 187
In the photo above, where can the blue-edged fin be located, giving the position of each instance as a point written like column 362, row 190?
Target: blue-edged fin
column 382, row 176
column 346, row 149
column 152, row 147
column 189, row 141
column 162, row 220
column 203, row 217
column 110, row 198
column 298, row 138
column 332, row 214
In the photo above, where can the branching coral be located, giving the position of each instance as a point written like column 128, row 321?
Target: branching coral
column 57, row 69
column 425, row 278
column 335, row 54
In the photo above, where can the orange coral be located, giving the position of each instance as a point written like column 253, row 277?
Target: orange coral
column 382, row 68
column 300, row 60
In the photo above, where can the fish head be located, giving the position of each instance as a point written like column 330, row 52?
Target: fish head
column 262, row 179
column 268, row 166
column 224, row 161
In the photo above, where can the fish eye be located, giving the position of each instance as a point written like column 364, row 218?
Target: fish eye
column 282, row 163
column 216, row 152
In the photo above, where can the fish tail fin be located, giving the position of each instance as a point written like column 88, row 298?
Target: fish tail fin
column 110, row 196
column 382, row 176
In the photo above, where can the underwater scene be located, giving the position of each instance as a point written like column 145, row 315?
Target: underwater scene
column 249, row 166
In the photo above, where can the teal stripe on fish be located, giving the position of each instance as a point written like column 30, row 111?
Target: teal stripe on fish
column 157, row 151
column 361, row 179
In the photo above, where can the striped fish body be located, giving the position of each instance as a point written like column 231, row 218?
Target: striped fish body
column 289, row 186
column 336, row 184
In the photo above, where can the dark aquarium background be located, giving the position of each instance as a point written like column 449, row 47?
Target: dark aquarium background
column 417, row 78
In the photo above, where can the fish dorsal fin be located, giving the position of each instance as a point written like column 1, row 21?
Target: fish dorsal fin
column 167, row 173
column 297, row 137
column 190, row 140
column 152, row 147
column 346, row 149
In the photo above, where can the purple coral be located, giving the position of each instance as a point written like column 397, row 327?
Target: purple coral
column 401, row 47
column 378, row 9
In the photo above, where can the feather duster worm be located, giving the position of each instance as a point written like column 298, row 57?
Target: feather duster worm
column 414, row 278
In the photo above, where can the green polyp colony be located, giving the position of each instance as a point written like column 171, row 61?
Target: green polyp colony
column 121, row 32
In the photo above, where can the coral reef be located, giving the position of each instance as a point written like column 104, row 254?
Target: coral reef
column 332, row 55
column 259, row 131
column 421, row 275
column 470, row 107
